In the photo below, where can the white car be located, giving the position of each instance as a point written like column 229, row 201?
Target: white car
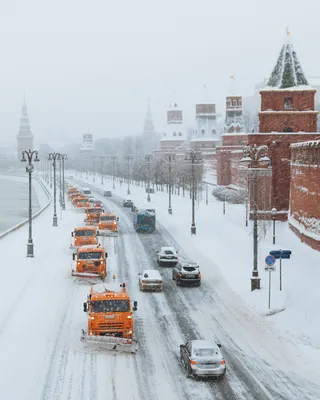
column 150, row 279
column 167, row 255
column 92, row 199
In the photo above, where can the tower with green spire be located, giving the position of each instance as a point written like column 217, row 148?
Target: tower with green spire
column 287, row 116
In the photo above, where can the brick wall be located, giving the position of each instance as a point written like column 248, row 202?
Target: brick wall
column 304, row 217
column 275, row 100
column 234, row 140
column 280, row 155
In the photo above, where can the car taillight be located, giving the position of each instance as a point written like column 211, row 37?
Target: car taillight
column 199, row 275
column 192, row 362
column 180, row 275
column 223, row 361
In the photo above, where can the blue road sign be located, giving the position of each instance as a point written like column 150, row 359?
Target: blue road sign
column 284, row 254
column 270, row 260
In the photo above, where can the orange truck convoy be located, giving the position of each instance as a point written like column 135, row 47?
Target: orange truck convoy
column 109, row 310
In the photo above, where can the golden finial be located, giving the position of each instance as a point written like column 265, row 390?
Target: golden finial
column 288, row 32
column 232, row 77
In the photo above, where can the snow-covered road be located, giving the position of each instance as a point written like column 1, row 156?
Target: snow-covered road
column 41, row 317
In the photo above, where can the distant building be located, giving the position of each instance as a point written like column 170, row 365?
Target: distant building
column 149, row 139
column 175, row 133
column 24, row 137
column 87, row 143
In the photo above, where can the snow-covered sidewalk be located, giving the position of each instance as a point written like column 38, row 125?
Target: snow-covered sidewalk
column 226, row 241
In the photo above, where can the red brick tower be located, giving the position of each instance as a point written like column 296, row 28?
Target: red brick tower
column 287, row 116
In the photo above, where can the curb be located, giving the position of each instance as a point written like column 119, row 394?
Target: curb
column 21, row 224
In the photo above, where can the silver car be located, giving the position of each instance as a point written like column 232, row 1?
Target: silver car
column 202, row 358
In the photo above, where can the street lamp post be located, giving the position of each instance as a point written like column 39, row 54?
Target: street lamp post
column 170, row 157
column 28, row 156
column 54, row 157
column 253, row 156
column 128, row 158
column 148, row 158
column 207, row 194
column 113, row 170
column 86, row 167
column 60, row 181
column 63, row 203
column 101, row 158
column 94, row 168
column 195, row 158
column 274, row 213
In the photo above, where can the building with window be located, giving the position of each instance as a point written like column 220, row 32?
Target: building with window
column 24, row 136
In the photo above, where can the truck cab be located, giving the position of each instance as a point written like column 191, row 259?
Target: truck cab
column 93, row 215
column 83, row 236
column 90, row 262
column 81, row 202
column 108, row 222
column 110, row 312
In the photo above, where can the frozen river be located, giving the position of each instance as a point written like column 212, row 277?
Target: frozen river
column 14, row 203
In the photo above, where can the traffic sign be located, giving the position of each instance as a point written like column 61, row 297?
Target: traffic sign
column 270, row 260
column 270, row 268
column 281, row 254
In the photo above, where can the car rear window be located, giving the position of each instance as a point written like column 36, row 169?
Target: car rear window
column 168, row 252
column 189, row 269
column 205, row 352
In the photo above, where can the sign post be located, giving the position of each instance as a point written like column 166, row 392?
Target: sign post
column 270, row 267
column 280, row 254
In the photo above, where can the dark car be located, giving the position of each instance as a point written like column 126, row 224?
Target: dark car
column 107, row 193
column 98, row 203
column 186, row 273
column 128, row 203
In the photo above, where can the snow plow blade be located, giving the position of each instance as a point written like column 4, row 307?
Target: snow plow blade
column 86, row 275
column 120, row 345
column 108, row 233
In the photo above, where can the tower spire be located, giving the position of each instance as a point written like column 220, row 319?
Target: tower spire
column 287, row 72
column 148, row 128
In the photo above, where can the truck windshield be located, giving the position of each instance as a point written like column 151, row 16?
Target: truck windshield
column 92, row 255
column 108, row 218
column 93, row 211
column 85, row 233
column 82, row 200
column 103, row 306
column 146, row 220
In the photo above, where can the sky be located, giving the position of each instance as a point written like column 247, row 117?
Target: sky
column 90, row 66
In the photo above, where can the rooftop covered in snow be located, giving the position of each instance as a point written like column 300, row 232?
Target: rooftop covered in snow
column 287, row 73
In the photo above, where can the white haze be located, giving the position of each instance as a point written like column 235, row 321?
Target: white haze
column 93, row 64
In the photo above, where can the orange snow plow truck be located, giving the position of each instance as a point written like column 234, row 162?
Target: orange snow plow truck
column 90, row 262
column 108, row 224
column 110, row 319
column 93, row 215
column 83, row 236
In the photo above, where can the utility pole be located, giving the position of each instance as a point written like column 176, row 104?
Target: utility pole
column 169, row 158
column 94, row 168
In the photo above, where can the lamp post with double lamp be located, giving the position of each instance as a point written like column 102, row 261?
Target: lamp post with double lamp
column 63, row 157
column 128, row 158
column 170, row 157
column 274, row 213
column 29, row 156
column 195, row 158
column 54, row 157
column 114, row 158
column 148, row 158
column 254, row 157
